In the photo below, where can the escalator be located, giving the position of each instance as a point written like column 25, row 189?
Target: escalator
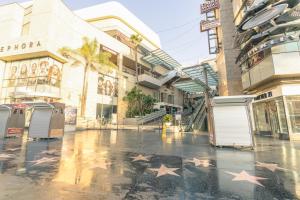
column 152, row 117
column 155, row 83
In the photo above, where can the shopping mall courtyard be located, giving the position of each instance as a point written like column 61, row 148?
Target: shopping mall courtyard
column 112, row 164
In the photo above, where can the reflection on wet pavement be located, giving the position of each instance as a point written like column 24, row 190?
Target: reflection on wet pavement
column 148, row 165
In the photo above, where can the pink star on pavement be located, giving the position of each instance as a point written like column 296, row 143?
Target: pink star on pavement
column 163, row 170
column 140, row 158
column 13, row 150
column 197, row 162
column 5, row 156
column 43, row 160
column 50, row 152
column 270, row 166
column 244, row 176
column 101, row 164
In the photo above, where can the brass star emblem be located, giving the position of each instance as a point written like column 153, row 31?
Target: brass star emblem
column 163, row 170
column 244, row 176
column 270, row 166
column 140, row 158
column 43, row 160
column 197, row 162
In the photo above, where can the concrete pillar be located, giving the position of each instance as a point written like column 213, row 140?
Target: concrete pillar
column 229, row 71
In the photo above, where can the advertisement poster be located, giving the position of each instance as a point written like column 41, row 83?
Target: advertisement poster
column 107, row 85
column 70, row 115
column 32, row 72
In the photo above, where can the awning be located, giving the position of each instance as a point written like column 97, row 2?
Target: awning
column 159, row 57
column 197, row 84
column 190, row 86
column 196, row 72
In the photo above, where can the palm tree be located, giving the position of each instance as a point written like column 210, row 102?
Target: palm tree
column 92, row 59
column 136, row 41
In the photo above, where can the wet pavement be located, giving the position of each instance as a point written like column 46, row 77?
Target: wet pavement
column 96, row 165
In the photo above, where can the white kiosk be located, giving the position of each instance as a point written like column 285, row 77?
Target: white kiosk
column 232, row 121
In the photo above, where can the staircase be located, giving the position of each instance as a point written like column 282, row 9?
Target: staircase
column 152, row 117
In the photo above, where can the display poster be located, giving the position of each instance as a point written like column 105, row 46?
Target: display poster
column 32, row 72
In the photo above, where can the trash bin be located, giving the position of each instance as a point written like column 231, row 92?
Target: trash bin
column 47, row 120
column 12, row 120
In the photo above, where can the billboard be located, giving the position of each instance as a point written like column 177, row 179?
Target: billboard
column 209, row 6
column 206, row 25
column 107, row 85
column 32, row 72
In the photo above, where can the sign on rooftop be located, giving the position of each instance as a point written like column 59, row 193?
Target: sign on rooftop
column 209, row 6
column 206, row 25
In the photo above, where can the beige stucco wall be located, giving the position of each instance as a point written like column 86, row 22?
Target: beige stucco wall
column 229, row 71
column 11, row 20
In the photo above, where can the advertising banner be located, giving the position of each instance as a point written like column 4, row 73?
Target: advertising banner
column 70, row 115
column 209, row 6
column 206, row 25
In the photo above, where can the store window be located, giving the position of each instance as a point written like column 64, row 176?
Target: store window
column 270, row 118
column 293, row 103
column 106, row 112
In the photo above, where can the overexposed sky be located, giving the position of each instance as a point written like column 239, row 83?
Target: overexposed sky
column 176, row 21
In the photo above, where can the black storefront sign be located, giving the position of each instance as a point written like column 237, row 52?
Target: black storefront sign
column 264, row 96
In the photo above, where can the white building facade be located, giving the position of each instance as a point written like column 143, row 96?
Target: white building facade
column 31, row 68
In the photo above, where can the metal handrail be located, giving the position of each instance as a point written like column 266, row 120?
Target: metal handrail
column 152, row 116
column 196, row 113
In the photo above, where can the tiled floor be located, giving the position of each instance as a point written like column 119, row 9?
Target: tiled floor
column 97, row 165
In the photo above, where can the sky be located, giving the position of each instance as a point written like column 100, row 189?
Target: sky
column 176, row 22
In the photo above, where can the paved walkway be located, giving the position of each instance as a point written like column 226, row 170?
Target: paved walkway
column 96, row 165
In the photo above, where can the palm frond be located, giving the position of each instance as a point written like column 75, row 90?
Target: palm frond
column 136, row 39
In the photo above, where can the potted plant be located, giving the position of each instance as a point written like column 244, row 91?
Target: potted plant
column 168, row 120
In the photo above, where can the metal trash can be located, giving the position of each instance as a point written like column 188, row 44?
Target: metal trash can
column 47, row 120
column 12, row 120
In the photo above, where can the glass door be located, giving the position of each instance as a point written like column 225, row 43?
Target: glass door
column 274, row 121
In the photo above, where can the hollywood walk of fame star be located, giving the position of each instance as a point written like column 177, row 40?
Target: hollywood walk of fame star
column 244, row 176
column 102, row 164
column 197, row 162
column 270, row 166
column 140, row 158
column 5, row 156
column 43, row 160
column 50, row 152
column 163, row 170
column 13, row 150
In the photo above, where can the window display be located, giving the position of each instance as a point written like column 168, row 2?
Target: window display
column 270, row 118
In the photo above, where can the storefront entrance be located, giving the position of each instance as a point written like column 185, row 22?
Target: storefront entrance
column 270, row 118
